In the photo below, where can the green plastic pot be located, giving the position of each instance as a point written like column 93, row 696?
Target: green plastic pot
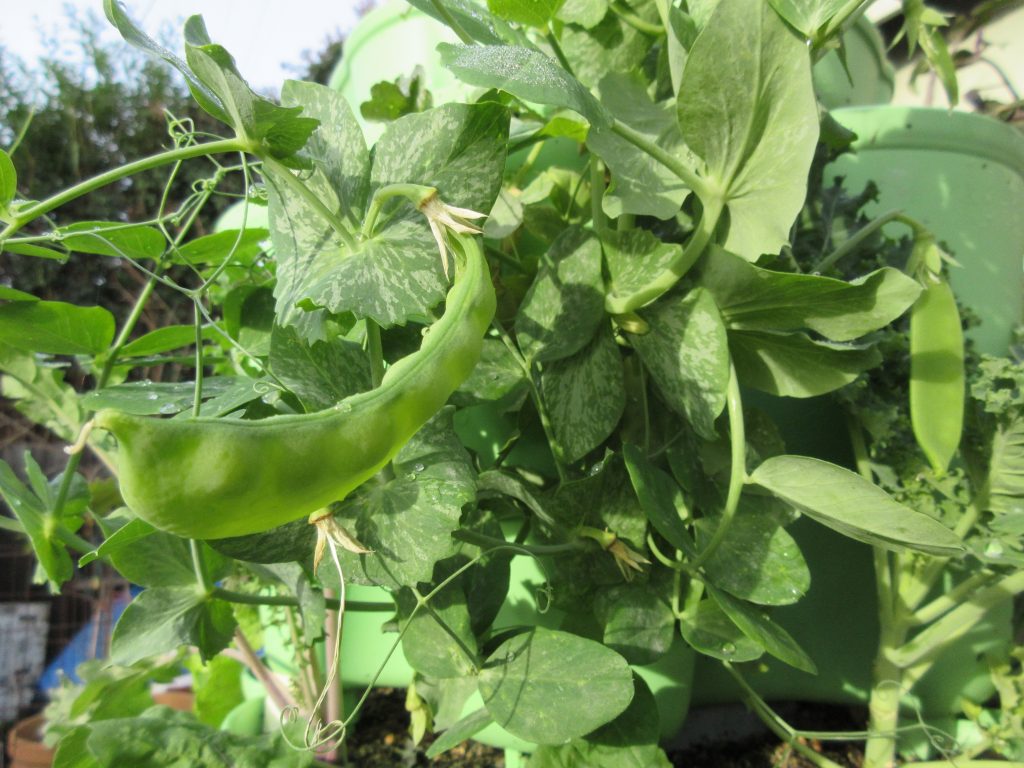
column 962, row 176
column 387, row 44
column 867, row 78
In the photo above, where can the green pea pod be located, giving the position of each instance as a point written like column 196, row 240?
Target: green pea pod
column 208, row 478
column 937, row 373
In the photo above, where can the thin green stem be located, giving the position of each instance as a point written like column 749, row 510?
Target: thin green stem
column 556, row 48
column 197, row 390
column 97, row 182
column 493, row 543
column 927, row 644
column 597, row 218
column 243, row 598
column 623, row 305
column 416, row 194
column 198, row 566
column 446, row 15
column 941, row 605
column 686, row 174
column 309, row 198
column 374, row 352
column 777, row 725
column 640, row 25
column 737, row 471
column 853, row 242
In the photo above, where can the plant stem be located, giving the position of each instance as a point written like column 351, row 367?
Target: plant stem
column 597, row 218
column 116, row 174
column 309, row 198
column 287, row 600
column 450, row 20
column 374, row 352
column 491, row 543
column 737, row 470
column 556, row 48
column 640, row 25
column 930, row 642
column 279, row 695
column 621, row 305
column 928, row 613
column 685, row 173
column 198, row 567
column 414, row 193
column 853, row 242
column 197, row 390
column 777, row 725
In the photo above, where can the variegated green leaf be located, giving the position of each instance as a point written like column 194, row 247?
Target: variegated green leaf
column 585, row 395
column 688, row 357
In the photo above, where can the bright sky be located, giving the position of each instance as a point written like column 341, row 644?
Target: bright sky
column 262, row 35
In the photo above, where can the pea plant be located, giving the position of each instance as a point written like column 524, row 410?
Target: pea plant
column 390, row 389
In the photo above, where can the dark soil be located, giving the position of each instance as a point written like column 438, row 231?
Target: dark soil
column 381, row 740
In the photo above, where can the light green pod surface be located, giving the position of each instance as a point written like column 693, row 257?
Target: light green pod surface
column 937, row 374
column 207, row 478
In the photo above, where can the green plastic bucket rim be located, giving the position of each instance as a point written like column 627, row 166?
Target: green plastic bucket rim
column 888, row 127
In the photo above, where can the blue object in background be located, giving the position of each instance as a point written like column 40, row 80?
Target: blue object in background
column 84, row 644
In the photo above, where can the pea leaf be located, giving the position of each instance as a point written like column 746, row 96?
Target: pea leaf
column 753, row 119
column 56, row 328
column 280, row 130
column 337, row 147
column 613, row 45
column 472, row 18
column 305, row 245
column 533, row 13
column 37, row 251
column 466, row 728
column 628, row 741
column 688, row 357
column 8, row 180
column 113, row 238
column 123, row 537
column 585, row 395
column 408, row 522
column 758, row 560
column 165, row 339
column 204, row 96
column 217, row 686
column 457, row 148
column 161, row 619
column 532, row 687
column 285, row 544
column 242, row 246
column 756, row 299
column 586, row 13
column 636, row 259
column 711, row 632
column 160, row 559
column 163, row 738
column 526, row 74
column 639, row 183
column 436, row 641
column 320, row 374
column 807, row 16
column 496, row 376
column 849, row 504
column 755, row 624
column 32, row 513
column 563, row 308
column 661, row 499
column 637, row 623
column 146, row 398
column 793, row 365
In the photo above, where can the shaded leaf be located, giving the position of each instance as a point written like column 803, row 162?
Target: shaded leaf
column 846, row 502
column 56, row 328
column 688, row 357
column 585, row 395
column 526, row 74
column 752, row 117
column 532, row 685
column 711, row 632
column 321, row 373
column 637, row 622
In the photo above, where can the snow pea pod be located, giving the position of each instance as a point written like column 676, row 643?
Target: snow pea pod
column 207, row 478
column 937, row 373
